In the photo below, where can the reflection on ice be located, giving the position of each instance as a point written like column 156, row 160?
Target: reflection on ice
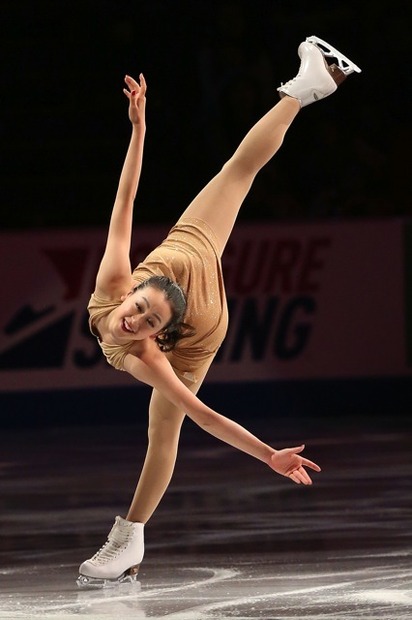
column 240, row 545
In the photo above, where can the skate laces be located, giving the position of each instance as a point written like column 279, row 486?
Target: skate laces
column 289, row 82
column 117, row 542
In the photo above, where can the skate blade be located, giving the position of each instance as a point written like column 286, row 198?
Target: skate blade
column 344, row 63
column 97, row 583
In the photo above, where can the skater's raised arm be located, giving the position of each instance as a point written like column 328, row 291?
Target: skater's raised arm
column 115, row 269
column 159, row 374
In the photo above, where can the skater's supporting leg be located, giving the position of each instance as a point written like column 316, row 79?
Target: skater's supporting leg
column 119, row 559
column 165, row 421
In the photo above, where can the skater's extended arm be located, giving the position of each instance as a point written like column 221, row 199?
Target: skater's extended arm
column 159, row 374
column 115, row 270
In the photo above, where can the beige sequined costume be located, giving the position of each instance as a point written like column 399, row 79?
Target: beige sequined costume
column 189, row 257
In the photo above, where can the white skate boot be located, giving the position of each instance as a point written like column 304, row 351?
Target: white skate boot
column 118, row 560
column 316, row 79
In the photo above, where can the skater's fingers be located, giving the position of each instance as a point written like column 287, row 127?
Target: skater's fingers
column 143, row 84
column 300, row 476
column 131, row 83
column 310, row 464
column 134, row 85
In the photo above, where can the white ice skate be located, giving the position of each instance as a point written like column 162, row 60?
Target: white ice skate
column 316, row 79
column 118, row 560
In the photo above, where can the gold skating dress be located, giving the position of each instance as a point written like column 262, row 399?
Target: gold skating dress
column 188, row 256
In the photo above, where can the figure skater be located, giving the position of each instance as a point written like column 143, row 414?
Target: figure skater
column 164, row 322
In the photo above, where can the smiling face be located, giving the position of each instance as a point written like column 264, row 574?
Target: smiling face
column 142, row 314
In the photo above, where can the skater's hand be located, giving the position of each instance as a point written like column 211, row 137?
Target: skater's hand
column 287, row 462
column 136, row 94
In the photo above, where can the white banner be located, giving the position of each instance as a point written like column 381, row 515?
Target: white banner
column 306, row 301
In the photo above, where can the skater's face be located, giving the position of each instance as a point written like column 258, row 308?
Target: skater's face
column 142, row 314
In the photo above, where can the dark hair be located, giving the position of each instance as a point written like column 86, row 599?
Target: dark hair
column 176, row 329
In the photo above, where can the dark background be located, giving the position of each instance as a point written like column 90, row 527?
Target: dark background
column 212, row 70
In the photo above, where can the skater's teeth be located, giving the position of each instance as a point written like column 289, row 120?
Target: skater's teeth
column 127, row 326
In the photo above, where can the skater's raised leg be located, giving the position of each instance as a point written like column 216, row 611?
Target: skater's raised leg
column 219, row 202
